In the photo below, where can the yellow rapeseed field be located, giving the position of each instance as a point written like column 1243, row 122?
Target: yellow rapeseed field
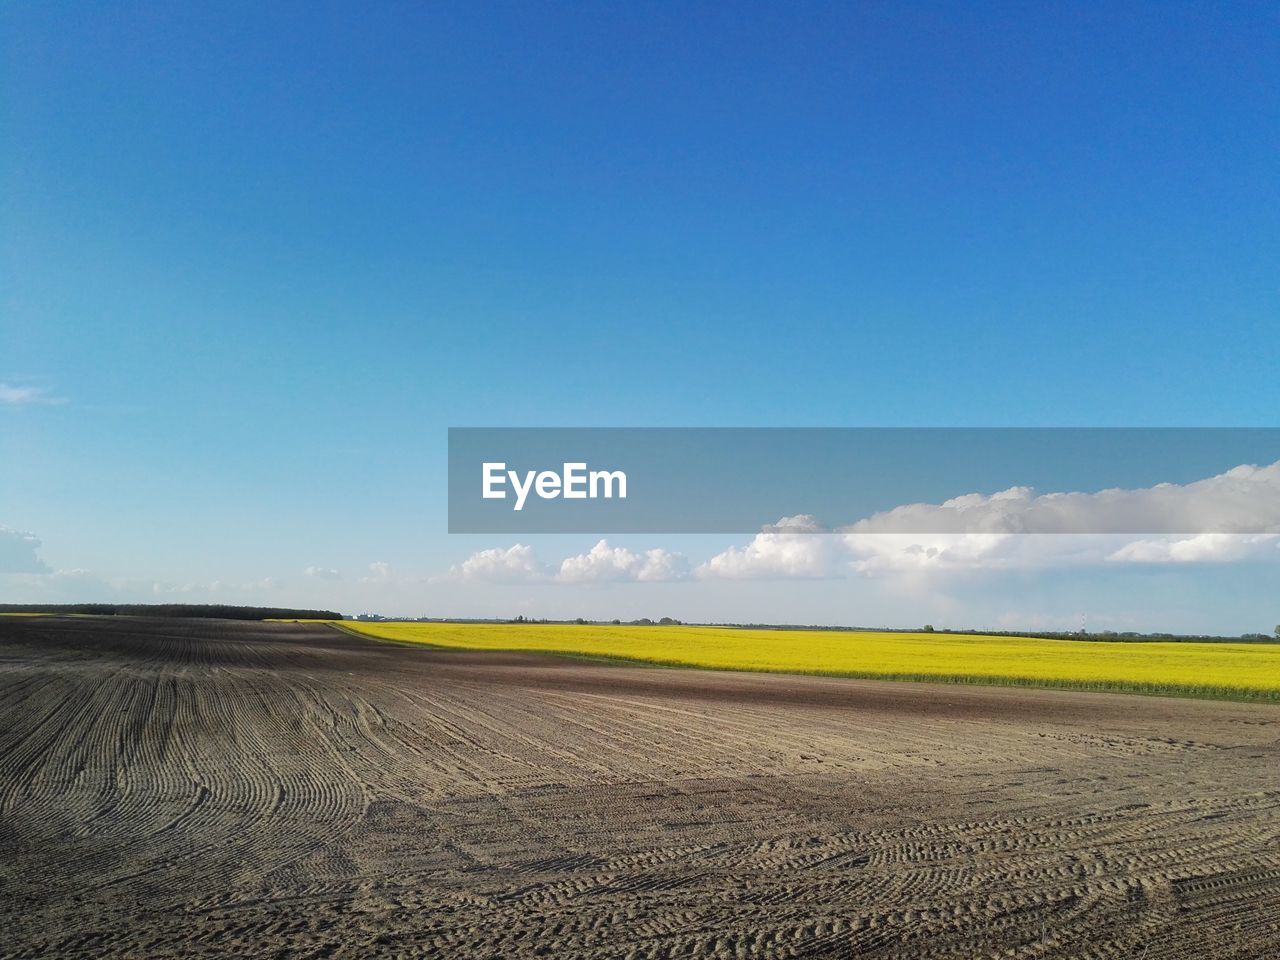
column 1233, row 670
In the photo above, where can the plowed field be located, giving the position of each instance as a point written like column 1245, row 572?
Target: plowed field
column 204, row 788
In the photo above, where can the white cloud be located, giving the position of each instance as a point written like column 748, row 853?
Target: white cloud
column 790, row 548
column 1202, row 548
column 876, row 553
column 1245, row 499
column 800, row 523
column 888, row 553
column 1017, row 528
column 605, row 563
column 19, row 552
column 515, row 563
column 602, row 563
column 1020, row 529
column 322, row 573
column 25, row 396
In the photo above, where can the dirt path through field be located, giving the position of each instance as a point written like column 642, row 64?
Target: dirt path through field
column 209, row 788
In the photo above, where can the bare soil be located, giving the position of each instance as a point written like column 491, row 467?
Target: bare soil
column 204, row 788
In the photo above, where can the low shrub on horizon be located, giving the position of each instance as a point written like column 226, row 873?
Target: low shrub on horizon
column 219, row 611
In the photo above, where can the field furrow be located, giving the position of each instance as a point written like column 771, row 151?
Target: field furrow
column 209, row 789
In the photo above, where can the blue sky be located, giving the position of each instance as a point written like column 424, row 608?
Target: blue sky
column 264, row 257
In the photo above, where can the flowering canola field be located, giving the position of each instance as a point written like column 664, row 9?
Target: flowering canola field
column 1230, row 670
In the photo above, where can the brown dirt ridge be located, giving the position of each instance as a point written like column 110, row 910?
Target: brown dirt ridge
column 202, row 788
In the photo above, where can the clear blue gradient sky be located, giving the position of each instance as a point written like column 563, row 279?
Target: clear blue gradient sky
column 257, row 258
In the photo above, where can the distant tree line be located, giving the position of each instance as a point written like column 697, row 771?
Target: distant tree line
column 1081, row 635
column 220, row 611
column 1109, row 636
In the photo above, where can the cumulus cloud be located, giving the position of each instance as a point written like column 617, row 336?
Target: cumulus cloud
column 605, row 563
column 1202, row 548
column 882, row 553
column 1245, row 500
column 322, row 573
column 25, row 396
column 515, row 563
column 601, row 564
column 874, row 553
column 1020, row 529
column 774, row 556
column 19, row 552
column 800, row 523
column 792, row 547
